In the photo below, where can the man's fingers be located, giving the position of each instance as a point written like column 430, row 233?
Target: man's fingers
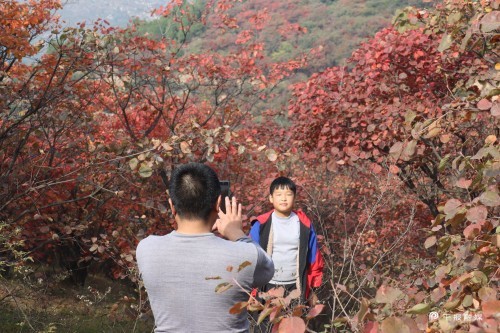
column 232, row 207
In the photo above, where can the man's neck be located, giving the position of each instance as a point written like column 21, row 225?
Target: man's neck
column 191, row 227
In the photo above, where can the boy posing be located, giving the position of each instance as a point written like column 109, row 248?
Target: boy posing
column 289, row 238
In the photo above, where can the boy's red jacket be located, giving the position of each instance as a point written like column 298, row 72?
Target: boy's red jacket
column 310, row 259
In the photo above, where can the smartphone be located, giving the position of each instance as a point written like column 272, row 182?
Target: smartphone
column 225, row 191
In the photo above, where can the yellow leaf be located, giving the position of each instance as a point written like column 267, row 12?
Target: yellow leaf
column 433, row 132
column 420, row 308
column 271, row 155
column 490, row 139
column 145, row 171
column 185, row 147
column 133, row 163
column 166, row 146
column 223, row 287
column 243, row 265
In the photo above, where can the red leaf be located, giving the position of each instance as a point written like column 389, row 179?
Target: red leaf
column 315, row 311
column 371, row 327
column 292, row 325
column 477, row 214
column 238, row 308
column 394, row 169
column 394, row 325
column 276, row 292
column 491, row 308
column 387, row 294
column 495, row 110
column 463, row 183
column 451, row 206
column 471, row 231
column 484, row 104
column 376, row 168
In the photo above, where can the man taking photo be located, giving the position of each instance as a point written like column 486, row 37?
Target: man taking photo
column 182, row 270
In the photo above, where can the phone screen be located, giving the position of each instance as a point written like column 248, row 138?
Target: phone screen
column 224, row 192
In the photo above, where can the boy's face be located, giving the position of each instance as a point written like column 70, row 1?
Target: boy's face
column 282, row 199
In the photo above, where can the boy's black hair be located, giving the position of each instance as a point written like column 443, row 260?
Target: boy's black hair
column 283, row 182
column 194, row 189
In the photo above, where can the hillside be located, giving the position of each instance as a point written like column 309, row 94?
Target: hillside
column 288, row 29
column 338, row 27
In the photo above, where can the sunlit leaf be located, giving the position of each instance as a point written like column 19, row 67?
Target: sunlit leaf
column 430, row 241
column 445, row 43
column 185, row 147
column 467, row 301
column 265, row 313
column 487, row 294
column 396, row 149
column 145, row 170
column 271, row 155
column 490, row 139
column 420, row 308
column 490, row 22
column 133, row 163
column 490, row 199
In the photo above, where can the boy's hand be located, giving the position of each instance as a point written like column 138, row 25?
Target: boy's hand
column 229, row 224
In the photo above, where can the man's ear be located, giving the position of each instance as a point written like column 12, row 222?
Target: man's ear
column 174, row 212
column 217, row 204
column 270, row 198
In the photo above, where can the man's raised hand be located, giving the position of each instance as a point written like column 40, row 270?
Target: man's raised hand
column 229, row 224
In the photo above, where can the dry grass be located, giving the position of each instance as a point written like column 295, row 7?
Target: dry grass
column 36, row 304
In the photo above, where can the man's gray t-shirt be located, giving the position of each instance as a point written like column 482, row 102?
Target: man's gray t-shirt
column 182, row 272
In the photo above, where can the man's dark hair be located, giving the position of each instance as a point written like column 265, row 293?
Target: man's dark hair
column 194, row 189
column 283, row 183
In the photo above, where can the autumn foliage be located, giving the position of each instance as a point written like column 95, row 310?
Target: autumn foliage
column 396, row 153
